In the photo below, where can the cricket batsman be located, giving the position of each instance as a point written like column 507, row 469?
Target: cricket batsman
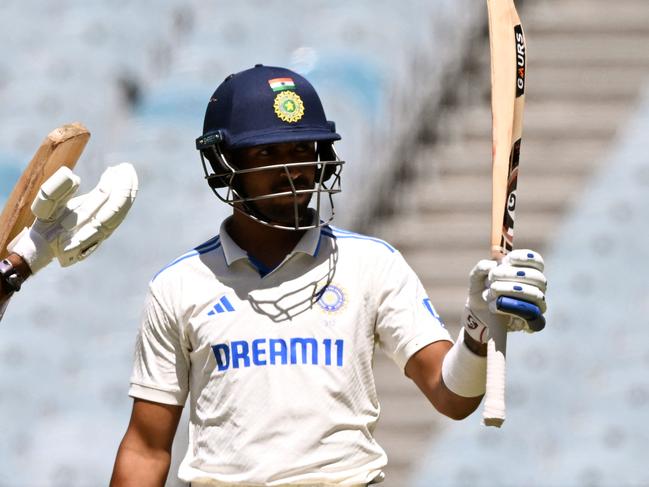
column 268, row 330
column 66, row 228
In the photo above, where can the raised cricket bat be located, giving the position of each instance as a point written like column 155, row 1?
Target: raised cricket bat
column 508, row 65
column 62, row 147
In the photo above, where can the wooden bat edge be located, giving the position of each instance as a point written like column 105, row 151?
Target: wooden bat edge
column 52, row 151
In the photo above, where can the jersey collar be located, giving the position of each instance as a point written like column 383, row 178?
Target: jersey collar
column 308, row 244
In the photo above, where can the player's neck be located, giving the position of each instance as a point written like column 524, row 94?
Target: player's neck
column 266, row 244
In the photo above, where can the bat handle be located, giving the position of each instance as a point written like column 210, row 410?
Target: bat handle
column 493, row 413
column 494, row 405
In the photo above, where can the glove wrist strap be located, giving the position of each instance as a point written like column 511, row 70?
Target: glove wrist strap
column 33, row 248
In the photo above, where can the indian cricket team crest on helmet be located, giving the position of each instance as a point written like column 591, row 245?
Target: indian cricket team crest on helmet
column 332, row 299
column 289, row 106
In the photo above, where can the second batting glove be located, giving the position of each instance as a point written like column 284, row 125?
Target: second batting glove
column 69, row 228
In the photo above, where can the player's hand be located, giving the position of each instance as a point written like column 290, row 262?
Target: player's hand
column 511, row 293
column 69, row 228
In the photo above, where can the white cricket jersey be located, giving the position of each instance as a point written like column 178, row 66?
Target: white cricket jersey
column 278, row 363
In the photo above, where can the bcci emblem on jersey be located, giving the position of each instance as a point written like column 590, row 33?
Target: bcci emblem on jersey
column 332, row 299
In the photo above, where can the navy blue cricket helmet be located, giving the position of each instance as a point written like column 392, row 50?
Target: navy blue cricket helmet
column 265, row 105
column 259, row 106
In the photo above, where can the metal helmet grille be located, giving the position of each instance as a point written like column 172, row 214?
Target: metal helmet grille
column 222, row 178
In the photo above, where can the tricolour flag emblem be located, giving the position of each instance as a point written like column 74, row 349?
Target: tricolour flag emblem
column 280, row 84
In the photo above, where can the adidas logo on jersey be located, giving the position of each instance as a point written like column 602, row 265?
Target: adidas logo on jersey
column 223, row 306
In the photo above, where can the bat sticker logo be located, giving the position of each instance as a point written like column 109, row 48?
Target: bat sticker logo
column 510, row 215
column 520, row 60
column 511, row 203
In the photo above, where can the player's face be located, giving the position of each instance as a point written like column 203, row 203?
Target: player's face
column 279, row 209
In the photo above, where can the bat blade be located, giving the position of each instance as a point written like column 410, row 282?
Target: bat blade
column 508, row 69
column 508, row 75
column 62, row 147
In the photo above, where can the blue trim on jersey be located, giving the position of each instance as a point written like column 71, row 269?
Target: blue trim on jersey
column 337, row 233
column 261, row 268
column 317, row 247
column 431, row 309
column 204, row 248
column 209, row 243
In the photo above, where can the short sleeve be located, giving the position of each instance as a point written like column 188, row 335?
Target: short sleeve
column 161, row 361
column 406, row 319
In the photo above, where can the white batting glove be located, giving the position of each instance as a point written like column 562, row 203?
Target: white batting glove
column 512, row 293
column 70, row 229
